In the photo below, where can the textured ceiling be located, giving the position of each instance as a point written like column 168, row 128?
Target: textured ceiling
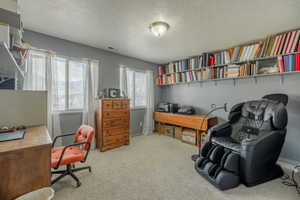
column 196, row 25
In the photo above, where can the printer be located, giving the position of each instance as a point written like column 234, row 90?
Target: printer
column 167, row 107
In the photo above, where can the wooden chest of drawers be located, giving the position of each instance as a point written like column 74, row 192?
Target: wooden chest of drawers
column 113, row 118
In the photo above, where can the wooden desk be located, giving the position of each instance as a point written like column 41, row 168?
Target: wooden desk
column 25, row 164
column 187, row 121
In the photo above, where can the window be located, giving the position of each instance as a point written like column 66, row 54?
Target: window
column 136, row 85
column 69, row 84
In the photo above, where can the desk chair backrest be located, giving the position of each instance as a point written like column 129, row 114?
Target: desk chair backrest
column 84, row 134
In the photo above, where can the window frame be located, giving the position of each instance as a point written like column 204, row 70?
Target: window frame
column 134, row 107
column 67, row 84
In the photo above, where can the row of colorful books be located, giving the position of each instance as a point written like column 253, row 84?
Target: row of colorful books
column 203, row 74
column 280, row 44
column 207, row 59
column 244, row 53
column 178, row 66
column 289, row 63
column 212, row 59
column 247, row 69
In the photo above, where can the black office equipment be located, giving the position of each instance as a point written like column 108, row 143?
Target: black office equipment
column 111, row 93
column 186, row 110
column 15, row 135
column 168, row 107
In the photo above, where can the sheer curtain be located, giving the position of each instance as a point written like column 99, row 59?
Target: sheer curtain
column 35, row 75
column 53, row 98
column 41, row 74
column 91, row 86
column 123, row 80
column 148, row 118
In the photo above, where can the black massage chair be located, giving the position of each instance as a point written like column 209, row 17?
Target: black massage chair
column 246, row 148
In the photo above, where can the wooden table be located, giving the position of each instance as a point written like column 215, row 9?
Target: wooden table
column 25, row 164
column 197, row 122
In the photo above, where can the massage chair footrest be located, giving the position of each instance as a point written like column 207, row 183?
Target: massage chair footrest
column 216, row 175
column 220, row 167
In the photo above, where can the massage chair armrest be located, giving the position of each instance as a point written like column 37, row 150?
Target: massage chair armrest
column 220, row 130
column 266, row 140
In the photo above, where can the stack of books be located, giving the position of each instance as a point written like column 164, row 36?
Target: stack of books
column 280, row 44
column 233, row 71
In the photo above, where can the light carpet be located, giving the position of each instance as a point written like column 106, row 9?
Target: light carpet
column 156, row 168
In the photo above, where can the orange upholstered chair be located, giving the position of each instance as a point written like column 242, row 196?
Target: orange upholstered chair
column 69, row 155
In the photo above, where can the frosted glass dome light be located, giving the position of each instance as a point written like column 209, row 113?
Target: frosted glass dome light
column 159, row 28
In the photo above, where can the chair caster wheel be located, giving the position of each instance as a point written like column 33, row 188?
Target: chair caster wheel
column 78, row 184
column 195, row 157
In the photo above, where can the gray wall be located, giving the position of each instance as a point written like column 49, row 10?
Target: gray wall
column 201, row 95
column 109, row 71
column 23, row 108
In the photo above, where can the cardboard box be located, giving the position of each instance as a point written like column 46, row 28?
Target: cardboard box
column 178, row 132
column 189, row 136
column 201, row 139
column 158, row 128
column 169, row 130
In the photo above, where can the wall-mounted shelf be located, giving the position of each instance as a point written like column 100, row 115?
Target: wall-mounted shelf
column 8, row 64
column 279, row 52
column 234, row 63
column 235, row 78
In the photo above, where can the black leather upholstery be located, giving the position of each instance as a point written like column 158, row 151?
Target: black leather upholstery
column 254, row 134
column 283, row 98
column 264, row 115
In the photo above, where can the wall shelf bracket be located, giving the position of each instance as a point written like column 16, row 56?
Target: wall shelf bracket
column 234, row 82
column 255, row 80
column 281, row 79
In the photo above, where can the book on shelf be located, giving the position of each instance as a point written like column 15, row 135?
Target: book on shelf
column 288, row 39
column 161, row 70
column 280, row 63
column 297, row 62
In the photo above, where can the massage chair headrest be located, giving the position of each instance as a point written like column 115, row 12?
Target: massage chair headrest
column 283, row 98
column 261, row 110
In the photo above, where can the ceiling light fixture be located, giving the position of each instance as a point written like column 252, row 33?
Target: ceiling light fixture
column 159, row 28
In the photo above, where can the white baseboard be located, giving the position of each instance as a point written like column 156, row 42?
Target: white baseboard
column 287, row 163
